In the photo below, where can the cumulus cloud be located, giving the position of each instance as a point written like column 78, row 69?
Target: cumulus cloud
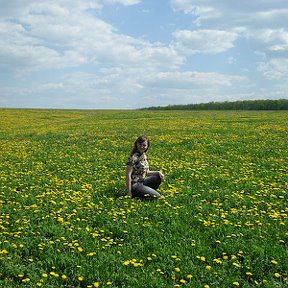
column 124, row 2
column 96, row 62
column 51, row 34
column 190, row 79
column 204, row 41
column 15, row 8
column 274, row 69
column 271, row 42
column 263, row 26
column 245, row 17
column 225, row 13
column 168, row 86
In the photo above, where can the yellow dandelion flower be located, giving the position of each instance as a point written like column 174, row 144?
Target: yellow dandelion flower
column 236, row 265
column 177, row 269
column 54, row 274
column 218, row 260
column 189, row 276
column 4, row 251
column 175, row 257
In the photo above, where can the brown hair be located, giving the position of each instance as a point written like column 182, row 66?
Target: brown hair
column 140, row 140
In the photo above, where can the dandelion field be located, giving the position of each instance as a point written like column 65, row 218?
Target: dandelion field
column 65, row 220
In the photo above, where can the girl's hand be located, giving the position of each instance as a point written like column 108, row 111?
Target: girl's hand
column 161, row 175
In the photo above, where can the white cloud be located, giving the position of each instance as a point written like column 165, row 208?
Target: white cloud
column 240, row 16
column 123, row 2
column 271, row 42
column 27, row 58
column 42, row 40
column 51, row 35
column 231, row 13
column 274, row 69
column 188, row 79
column 173, row 87
column 204, row 41
column 16, row 8
column 126, row 88
column 231, row 60
column 263, row 25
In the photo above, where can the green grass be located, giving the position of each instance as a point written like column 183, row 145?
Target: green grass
column 65, row 220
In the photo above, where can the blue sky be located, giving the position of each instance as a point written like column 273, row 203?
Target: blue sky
column 125, row 54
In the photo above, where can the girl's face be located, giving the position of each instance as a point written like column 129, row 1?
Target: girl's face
column 142, row 147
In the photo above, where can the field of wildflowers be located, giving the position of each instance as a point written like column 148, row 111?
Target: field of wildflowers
column 65, row 220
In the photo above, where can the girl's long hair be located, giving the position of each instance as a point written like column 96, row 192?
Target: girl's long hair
column 140, row 140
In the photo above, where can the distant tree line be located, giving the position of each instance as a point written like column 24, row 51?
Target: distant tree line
column 281, row 104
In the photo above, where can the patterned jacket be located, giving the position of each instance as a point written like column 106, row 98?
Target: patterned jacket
column 140, row 165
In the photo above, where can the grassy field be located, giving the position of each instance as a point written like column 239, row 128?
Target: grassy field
column 65, row 220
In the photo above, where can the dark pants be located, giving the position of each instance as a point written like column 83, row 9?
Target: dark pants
column 147, row 188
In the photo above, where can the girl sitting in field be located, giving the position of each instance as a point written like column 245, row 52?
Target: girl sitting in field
column 141, row 182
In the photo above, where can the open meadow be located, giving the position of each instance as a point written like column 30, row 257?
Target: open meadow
column 65, row 220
